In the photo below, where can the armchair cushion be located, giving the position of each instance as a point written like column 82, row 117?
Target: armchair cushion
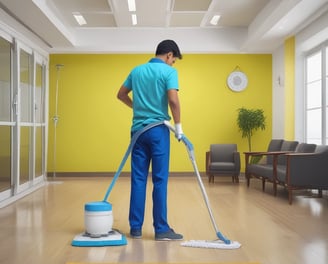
column 222, row 152
column 274, row 145
column 288, row 146
column 305, row 148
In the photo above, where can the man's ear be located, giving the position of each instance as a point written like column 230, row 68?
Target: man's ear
column 170, row 54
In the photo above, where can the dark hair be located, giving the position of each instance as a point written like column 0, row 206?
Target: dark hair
column 167, row 46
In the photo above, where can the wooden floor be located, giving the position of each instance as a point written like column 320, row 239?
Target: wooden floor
column 40, row 227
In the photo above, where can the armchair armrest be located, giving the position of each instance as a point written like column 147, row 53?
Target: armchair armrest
column 251, row 153
column 236, row 156
column 263, row 153
column 300, row 154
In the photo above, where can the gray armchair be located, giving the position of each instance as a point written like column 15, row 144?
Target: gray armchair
column 223, row 160
column 265, row 170
column 262, row 169
column 304, row 170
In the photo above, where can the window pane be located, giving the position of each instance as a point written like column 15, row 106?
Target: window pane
column 314, row 126
column 38, row 152
column 326, row 126
column 39, row 95
column 25, row 86
column 326, row 64
column 314, row 67
column 5, row 157
column 24, row 154
column 5, row 67
column 314, row 95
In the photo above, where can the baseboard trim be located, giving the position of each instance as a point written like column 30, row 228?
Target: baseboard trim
column 111, row 174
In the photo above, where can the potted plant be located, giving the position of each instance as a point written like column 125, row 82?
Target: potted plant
column 249, row 121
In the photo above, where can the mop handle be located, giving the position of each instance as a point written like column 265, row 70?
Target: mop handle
column 127, row 153
column 190, row 149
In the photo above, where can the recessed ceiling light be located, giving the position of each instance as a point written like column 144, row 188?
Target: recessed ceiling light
column 215, row 19
column 134, row 19
column 132, row 5
column 79, row 18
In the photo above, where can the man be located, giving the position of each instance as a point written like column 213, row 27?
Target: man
column 155, row 87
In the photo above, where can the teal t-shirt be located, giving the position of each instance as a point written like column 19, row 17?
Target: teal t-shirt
column 149, row 83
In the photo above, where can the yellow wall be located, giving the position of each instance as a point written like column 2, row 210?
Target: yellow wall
column 289, row 88
column 93, row 129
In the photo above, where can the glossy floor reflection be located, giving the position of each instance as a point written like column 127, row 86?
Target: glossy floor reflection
column 40, row 227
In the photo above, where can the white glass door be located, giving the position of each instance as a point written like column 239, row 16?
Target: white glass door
column 6, row 122
column 39, row 120
column 23, row 122
column 25, row 117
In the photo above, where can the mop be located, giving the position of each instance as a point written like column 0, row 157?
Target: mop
column 113, row 237
column 98, row 215
column 222, row 242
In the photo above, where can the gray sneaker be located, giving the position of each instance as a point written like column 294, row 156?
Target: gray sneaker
column 135, row 233
column 169, row 235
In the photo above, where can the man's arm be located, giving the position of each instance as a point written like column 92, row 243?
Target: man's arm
column 123, row 95
column 174, row 104
column 175, row 110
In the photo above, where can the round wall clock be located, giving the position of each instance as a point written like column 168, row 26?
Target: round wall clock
column 237, row 81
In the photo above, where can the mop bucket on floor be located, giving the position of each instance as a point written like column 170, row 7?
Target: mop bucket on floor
column 98, row 221
column 98, row 218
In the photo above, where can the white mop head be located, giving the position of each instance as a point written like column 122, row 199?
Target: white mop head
column 219, row 244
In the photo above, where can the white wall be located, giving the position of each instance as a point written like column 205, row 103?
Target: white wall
column 306, row 40
column 278, row 96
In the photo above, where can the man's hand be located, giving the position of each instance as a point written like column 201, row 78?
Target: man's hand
column 178, row 131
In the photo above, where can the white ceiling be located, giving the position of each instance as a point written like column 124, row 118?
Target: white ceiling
column 257, row 26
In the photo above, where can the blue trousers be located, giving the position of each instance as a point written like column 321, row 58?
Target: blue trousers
column 153, row 146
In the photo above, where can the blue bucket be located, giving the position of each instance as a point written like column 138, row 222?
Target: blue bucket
column 98, row 206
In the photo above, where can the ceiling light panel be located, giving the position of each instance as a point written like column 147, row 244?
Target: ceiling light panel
column 132, row 5
column 215, row 20
column 150, row 13
column 79, row 18
column 134, row 19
